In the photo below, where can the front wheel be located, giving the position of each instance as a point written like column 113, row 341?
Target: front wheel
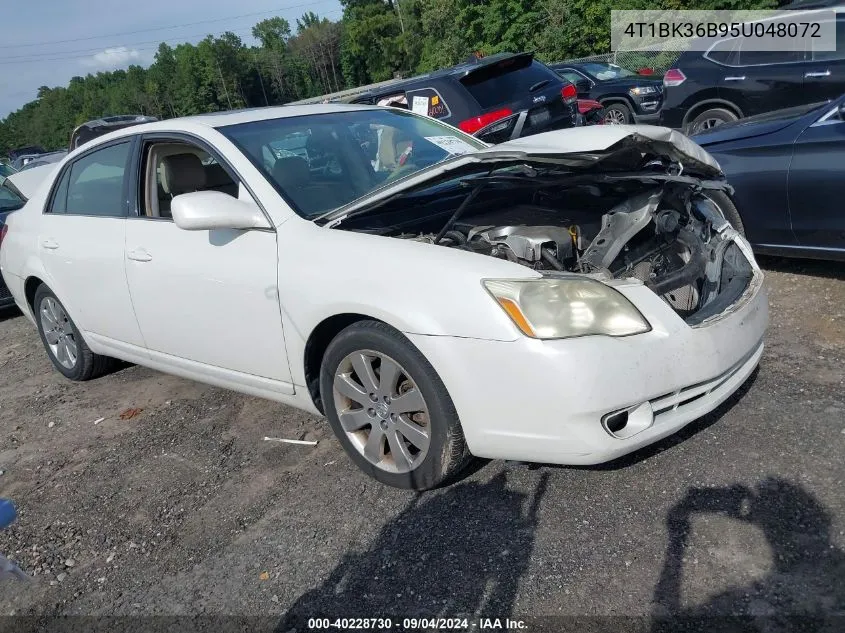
column 389, row 409
column 617, row 114
column 61, row 338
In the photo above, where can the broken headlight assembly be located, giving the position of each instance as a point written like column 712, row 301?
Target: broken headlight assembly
column 552, row 308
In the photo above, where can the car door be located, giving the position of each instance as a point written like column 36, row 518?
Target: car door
column 762, row 81
column 815, row 183
column 81, row 238
column 824, row 73
column 206, row 300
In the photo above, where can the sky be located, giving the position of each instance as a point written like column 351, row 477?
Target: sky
column 46, row 42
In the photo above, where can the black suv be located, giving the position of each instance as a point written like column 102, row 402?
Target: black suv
column 90, row 130
column 495, row 98
column 626, row 96
column 725, row 83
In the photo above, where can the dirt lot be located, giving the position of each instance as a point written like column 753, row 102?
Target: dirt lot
column 184, row 509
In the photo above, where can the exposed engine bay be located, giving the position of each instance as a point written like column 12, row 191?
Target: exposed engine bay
column 663, row 230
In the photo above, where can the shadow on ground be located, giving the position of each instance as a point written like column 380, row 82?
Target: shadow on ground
column 454, row 553
column 805, row 590
column 809, row 267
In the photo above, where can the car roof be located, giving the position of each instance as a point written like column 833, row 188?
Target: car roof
column 458, row 70
column 221, row 119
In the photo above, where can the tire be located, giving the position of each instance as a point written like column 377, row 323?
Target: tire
column 709, row 119
column 84, row 364
column 728, row 209
column 419, row 464
column 617, row 114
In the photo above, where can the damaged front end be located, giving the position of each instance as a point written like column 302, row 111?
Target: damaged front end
column 644, row 208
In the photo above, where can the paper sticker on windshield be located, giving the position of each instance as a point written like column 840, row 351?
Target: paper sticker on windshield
column 420, row 105
column 451, row 144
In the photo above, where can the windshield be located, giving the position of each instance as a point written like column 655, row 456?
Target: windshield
column 10, row 198
column 603, row 71
column 324, row 161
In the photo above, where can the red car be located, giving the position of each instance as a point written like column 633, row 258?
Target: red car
column 592, row 111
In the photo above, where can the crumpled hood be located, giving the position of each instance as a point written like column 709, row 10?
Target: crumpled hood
column 661, row 141
column 574, row 147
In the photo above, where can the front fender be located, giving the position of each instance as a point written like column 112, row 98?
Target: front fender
column 415, row 287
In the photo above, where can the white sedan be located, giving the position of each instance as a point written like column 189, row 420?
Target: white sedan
column 564, row 298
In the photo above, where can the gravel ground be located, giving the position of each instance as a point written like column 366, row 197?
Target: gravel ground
column 183, row 509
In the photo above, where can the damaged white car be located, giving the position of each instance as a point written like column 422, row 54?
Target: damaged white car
column 565, row 298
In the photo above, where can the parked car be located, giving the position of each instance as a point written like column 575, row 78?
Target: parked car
column 726, row 83
column 90, row 130
column 494, row 98
column 784, row 168
column 24, row 159
column 11, row 199
column 29, row 149
column 592, row 111
column 626, row 96
column 44, row 159
column 605, row 301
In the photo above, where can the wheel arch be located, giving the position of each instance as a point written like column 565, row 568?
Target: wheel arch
column 611, row 99
column 707, row 104
column 317, row 343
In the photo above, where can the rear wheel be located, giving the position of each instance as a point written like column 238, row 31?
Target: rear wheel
column 389, row 409
column 709, row 119
column 61, row 338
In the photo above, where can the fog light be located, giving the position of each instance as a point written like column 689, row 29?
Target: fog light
column 625, row 423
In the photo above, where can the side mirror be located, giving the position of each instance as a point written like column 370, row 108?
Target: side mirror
column 209, row 210
column 583, row 86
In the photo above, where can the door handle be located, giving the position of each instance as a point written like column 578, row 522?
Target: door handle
column 50, row 244
column 740, row 78
column 826, row 73
column 139, row 255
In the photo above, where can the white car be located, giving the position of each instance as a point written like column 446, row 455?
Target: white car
column 564, row 298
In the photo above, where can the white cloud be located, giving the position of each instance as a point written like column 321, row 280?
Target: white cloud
column 111, row 58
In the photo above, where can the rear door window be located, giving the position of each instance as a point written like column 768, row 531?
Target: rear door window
column 93, row 184
column 428, row 101
column 507, row 80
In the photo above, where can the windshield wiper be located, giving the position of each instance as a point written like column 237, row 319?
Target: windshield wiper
column 539, row 85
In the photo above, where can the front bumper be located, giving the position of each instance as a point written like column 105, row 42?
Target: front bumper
column 649, row 119
column 544, row 401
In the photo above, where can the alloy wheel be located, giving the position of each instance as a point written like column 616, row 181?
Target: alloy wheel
column 58, row 332
column 707, row 124
column 614, row 117
column 382, row 411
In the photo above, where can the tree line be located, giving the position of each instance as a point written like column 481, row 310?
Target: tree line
column 374, row 40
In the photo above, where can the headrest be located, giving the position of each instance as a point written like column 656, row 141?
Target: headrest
column 291, row 172
column 182, row 173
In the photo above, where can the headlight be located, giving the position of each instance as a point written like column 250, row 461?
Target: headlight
column 639, row 91
column 562, row 308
